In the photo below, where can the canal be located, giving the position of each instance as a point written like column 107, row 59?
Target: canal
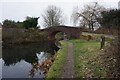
column 18, row 60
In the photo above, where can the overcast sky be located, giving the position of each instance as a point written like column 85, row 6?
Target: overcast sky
column 18, row 9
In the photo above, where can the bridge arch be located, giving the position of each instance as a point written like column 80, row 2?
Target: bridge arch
column 52, row 36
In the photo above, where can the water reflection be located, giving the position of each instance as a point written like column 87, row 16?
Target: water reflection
column 35, row 69
column 19, row 60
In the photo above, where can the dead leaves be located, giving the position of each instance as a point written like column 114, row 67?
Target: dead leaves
column 43, row 67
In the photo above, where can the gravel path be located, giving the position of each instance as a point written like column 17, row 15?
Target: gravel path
column 68, row 69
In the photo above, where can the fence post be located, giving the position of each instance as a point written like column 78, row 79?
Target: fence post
column 102, row 42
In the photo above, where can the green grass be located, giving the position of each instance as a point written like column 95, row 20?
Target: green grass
column 93, row 34
column 60, row 58
column 98, row 36
column 86, row 60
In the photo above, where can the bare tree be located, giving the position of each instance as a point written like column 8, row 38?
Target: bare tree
column 90, row 15
column 53, row 16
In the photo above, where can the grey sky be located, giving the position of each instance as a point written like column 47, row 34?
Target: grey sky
column 18, row 10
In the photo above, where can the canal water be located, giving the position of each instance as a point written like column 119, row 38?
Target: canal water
column 18, row 60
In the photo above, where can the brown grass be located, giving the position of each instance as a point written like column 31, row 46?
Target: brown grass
column 88, row 37
column 18, row 35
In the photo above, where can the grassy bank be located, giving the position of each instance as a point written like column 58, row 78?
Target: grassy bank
column 98, row 36
column 19, row 35
column 86, row 60
column 60, row 58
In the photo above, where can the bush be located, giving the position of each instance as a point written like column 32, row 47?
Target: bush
column 30, row 22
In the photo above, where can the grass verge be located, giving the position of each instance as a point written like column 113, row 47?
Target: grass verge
column 60, row 58
column 98, row 36
column 86, row 60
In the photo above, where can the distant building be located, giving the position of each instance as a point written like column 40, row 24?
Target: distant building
column 119, row 5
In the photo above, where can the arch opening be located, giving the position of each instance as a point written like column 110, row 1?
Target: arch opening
column 58, row 35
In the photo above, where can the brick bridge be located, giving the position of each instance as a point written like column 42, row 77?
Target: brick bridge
column 71, row 32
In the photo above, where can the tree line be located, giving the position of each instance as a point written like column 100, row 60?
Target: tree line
column 96, row 16
column 30, row 22
column 91, row 16
column 110, row 19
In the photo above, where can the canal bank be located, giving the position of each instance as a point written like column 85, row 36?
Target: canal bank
column 72, row 60
column 57, row 67
column 88, row 62
column 21, row 36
